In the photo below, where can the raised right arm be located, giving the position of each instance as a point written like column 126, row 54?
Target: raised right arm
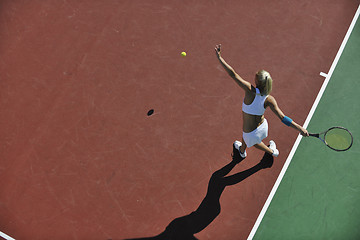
column 240, row 81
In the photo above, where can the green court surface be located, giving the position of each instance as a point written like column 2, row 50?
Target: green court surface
column 319, row 195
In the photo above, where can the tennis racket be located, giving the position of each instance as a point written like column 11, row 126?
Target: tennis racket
column 336, row 138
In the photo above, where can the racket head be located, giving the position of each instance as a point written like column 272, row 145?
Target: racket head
column 338, row 138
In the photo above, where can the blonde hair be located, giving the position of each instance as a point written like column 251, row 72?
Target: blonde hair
column 265, row 82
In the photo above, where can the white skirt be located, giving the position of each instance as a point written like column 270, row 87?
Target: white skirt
column 256, row 136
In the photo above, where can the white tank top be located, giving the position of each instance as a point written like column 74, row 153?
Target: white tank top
column 257, row 106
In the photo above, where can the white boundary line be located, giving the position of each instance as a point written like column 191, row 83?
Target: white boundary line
column 3, row 235
column 307, row 121
column 323, row 74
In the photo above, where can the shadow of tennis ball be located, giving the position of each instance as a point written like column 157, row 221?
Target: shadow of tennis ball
column 150, row 112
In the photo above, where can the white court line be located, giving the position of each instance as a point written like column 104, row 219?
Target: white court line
column 3, row 235
column 307, row 121
column 323, row 74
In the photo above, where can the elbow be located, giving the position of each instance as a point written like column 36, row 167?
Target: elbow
column 232, row 73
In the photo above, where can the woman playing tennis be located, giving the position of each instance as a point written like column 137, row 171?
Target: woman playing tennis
column 256, row 100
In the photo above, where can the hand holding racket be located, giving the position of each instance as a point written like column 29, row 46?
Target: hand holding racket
column 336, row 138
column 303, row 131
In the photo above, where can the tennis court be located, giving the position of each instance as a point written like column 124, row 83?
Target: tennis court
column 319, row 193
column 81, row 159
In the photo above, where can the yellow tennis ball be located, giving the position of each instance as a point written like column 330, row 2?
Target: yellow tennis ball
column 183, row 54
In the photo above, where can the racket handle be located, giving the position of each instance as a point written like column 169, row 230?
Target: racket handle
column 314, row 135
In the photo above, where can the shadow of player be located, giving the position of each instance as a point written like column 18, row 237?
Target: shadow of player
column 184, row 228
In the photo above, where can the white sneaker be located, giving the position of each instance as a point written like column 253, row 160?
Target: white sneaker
column 273, row 147
column 237, row 145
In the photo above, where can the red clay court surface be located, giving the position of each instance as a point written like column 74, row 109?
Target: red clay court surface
column 80, row 158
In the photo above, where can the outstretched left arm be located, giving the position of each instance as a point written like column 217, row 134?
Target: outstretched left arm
column 271, row 102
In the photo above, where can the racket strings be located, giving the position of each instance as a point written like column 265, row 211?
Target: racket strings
column 338, row 138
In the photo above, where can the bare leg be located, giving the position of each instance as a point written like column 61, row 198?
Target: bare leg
column 264, row 148
column 243, row 146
